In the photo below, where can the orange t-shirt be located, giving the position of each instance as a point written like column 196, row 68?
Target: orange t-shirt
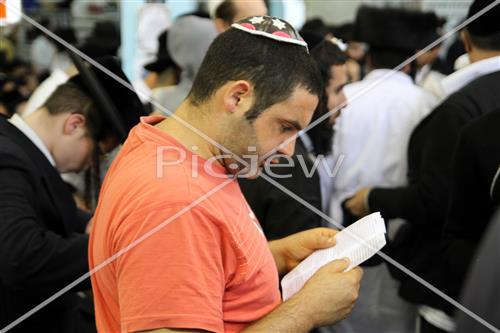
column 204, row 262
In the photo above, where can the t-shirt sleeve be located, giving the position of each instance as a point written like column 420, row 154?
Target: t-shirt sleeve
column 174, row 278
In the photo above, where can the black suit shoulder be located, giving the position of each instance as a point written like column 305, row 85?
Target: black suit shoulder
column 13, row 156
column 478, row 97
column 430, row 153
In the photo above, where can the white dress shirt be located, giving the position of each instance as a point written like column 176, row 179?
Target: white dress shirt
column 430, row 80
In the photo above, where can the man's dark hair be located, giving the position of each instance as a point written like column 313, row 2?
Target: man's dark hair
column 387, row 58
column 275, row 69
column 490, row 42
column 69, row 97
column 326, row 54
column 226, row 11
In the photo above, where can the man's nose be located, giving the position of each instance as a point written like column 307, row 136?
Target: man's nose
column 287, row 149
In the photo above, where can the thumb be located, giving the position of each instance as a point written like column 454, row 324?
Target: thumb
column 338, row 266
column 318, row 238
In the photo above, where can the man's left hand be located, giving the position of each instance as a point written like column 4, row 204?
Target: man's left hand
column 288, row 252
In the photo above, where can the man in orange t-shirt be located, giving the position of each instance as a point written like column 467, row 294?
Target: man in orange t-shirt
column 174, row 244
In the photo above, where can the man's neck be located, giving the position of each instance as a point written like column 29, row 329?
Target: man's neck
column 193, row 131
column 478, row 55
column 42, row 123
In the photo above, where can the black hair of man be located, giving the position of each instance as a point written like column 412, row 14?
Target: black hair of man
column 226, row 11
column 485, row 30
column 381, row 58
column 317, row 25
column 275, row 69
column 326, row 54
column 490, row 43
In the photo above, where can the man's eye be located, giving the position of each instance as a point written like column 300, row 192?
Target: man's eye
column 286, row 128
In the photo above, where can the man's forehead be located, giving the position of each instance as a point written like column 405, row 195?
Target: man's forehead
column 298, row 106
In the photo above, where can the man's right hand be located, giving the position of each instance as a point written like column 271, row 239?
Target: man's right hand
column 330, row 294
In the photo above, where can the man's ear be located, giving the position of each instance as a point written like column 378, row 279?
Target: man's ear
column 221, row 25
column 464, row 35
column 238, row 96
column 74, row 123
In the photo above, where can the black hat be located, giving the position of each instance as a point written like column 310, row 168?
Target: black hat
column 394, row 28
column 488, row 23
column 163, row 60
column 66, row 34
column 121, row 107
column 429, row 31
column 104, row 40
column 312, row 38
column 317, row 25
column 344, row 31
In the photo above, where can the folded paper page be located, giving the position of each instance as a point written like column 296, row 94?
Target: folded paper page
column 358, row 242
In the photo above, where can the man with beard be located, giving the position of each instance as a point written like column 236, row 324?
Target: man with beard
column 174, row 241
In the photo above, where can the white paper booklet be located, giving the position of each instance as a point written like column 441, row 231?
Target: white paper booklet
column 358, row 242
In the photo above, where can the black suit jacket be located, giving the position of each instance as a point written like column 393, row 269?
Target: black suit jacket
column 279, row 214
column 40, row 252
column 481, row 291
column 423, row 203
column 472, row 205
column 495, row 187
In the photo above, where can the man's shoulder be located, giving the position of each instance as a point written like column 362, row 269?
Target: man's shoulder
column 11, row 153
column 476, row 90
column 139, row 178
column 483, row 131
column 481, row 82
